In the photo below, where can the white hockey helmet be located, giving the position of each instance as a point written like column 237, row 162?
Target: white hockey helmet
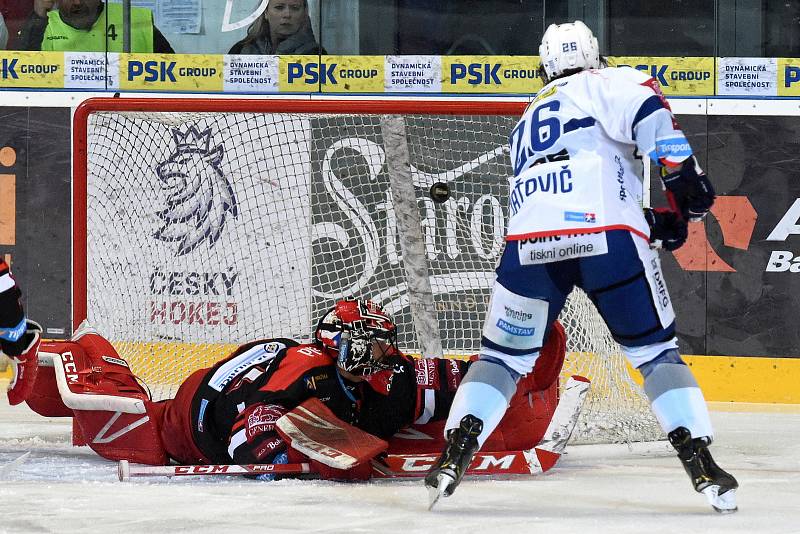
column 568, row 46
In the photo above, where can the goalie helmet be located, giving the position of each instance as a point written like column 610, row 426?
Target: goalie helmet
column 568, row 47
column 355, row 330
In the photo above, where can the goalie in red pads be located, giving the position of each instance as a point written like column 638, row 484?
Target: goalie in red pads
column 228, row 413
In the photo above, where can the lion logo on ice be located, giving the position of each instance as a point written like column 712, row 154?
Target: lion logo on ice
column 199, row 197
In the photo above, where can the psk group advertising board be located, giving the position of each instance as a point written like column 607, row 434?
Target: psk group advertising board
column 206, row 73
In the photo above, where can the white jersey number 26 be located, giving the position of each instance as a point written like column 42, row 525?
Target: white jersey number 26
column 543, row 130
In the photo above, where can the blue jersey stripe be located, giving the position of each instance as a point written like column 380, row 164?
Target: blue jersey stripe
column 648, row 107
column 576, row 124
column 486, row 342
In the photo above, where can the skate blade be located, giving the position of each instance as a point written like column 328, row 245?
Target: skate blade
column 723, row 504
column 434, row 494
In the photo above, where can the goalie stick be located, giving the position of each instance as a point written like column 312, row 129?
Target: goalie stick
column 126, row 471
column 522, row 462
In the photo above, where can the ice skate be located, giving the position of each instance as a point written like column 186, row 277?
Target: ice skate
column 707, row 477
column 446, row 473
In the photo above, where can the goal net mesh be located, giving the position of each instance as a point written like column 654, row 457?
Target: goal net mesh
column 204, row 230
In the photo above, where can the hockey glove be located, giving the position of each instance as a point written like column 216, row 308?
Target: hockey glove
column 254, row 439
column 29, row 333
column 24, row 356
column 667, row 230
column 12, row 317
column 690, row 188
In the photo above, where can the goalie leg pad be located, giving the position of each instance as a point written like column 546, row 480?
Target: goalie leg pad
column 674, row 395
column 549, row 363
column 45, row 399
column 124, row 436
column 532, row 406
column 92, row 376
column 184, row 431
column 105, row 398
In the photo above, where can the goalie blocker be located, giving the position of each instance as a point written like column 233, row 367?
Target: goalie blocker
column 84, row 378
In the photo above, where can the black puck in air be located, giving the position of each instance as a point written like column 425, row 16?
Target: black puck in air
column 440, row 192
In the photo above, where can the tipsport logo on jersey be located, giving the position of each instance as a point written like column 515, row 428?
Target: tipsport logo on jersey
column 357, row 247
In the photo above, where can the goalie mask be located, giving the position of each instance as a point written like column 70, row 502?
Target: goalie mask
column 359, row 334
column 566, row 48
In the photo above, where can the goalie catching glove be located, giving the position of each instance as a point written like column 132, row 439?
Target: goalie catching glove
column 254, row 439
column 691, row 190
column 667, row 230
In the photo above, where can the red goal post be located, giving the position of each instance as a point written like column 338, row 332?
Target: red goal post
column 226, row 105
column 202, row 223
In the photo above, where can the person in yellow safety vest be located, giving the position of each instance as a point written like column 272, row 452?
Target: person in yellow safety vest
column 89, row 26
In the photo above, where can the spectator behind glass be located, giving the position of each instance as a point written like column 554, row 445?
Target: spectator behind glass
column 14, row 12
column 284, row 28
column 80, row 26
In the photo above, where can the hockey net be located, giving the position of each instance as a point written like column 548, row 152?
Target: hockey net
column 200, row 224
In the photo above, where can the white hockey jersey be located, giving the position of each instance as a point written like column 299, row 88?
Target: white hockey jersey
column 577, row 150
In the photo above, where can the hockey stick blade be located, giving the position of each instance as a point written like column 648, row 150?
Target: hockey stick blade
column 5, row 469
column 126, row 471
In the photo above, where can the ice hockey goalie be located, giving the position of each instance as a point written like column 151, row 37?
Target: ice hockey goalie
column 228, row 413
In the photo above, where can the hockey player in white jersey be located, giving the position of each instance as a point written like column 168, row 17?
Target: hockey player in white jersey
column 576, row 220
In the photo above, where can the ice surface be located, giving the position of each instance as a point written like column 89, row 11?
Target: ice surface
column 594, row 488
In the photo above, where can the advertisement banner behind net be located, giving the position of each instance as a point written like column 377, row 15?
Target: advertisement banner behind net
column 356, row 248
column 191, row 235
column 231, row 227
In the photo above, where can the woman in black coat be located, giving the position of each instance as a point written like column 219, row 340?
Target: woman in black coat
column 284, row 28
